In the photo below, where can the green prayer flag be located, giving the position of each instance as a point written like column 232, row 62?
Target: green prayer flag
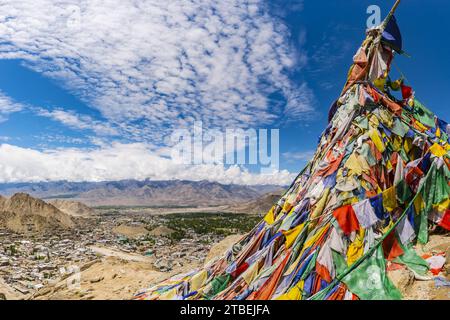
column 424, row 115
column 435, row 190
column 404, row 155
column 422, row 236
column 411, row 260
column 218, row 284
column 366, row 153
column 400, row 128
column 369, row 280
column 404, row 192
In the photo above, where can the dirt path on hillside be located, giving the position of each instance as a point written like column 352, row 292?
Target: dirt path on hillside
column 108, row 252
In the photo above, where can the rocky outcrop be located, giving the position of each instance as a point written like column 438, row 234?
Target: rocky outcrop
column 24, row 214
column 73, row 208
column 259, row 206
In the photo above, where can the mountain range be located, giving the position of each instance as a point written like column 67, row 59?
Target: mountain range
column 142, row 193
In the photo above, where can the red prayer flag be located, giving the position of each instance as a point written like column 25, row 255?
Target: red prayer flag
column 240, row 270
column 347, row 219
column 406, row 91
column 445, row 222
column 391, row 247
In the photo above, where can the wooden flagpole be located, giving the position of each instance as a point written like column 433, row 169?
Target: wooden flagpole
column 390, row 15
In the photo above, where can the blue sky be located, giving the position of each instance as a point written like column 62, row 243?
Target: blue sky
column 91, row 91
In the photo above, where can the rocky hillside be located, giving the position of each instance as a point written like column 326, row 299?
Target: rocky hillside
column 72, row 208
column 260, row 205
column 22, row 213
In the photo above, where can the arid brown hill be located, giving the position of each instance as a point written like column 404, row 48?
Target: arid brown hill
column 258, row 206
column 24, row 214
column 72, row 208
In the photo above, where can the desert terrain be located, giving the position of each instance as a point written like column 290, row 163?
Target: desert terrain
column 63, row 249
column 56, row 249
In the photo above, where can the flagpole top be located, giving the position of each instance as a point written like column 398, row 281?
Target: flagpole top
column 390, row 15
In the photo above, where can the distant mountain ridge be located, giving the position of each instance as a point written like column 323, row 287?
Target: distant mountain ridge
column 146, row 192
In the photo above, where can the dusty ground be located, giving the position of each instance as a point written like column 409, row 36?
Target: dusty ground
column 108, row 279
column 114, row 276
column 108, row 252
column 413, row 289
column 8, row 293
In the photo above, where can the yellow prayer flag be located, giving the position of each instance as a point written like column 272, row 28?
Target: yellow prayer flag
column 380, row 83
column 198, row 280
column 419, row 204
column 169, row 295
column 407, row 145
column 389, row 199
column 357, row 164
column 389, row 165
column 356, row 248
column 309, row 242
column 420, row 126
column 295, row 293
column 396, row 143
column 287, row 206
column 438, row 150
column 320, row 205
column 250, row 274
column 269, row 218
column 375, row 136
column 443, row 206
column 292, row 234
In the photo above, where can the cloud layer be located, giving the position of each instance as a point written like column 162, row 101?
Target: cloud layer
column 76, row 121
column 150, row 66
column 117, row 162
column 8, row 106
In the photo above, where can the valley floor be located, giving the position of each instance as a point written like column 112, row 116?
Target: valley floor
column 128, row 246
column 120, row 251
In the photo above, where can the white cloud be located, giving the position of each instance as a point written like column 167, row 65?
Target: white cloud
column 116, row 162
column 77, row 121
column 8, row 106
column 67, row 118
column 150, row 66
